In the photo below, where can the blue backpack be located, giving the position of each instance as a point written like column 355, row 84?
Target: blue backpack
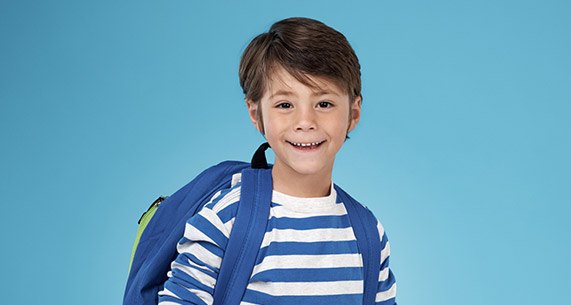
column 162, row 226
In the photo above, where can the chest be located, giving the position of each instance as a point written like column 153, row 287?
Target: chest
column 301, row 248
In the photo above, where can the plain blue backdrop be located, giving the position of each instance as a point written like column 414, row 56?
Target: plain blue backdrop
column 462, row 151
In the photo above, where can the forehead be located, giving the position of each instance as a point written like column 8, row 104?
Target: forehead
column 280, row 81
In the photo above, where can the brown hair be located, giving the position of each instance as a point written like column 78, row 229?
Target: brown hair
column 303, row 47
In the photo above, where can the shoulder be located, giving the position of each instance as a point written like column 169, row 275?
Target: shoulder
column 365, row 211
column 226, row 200
column 219, row 212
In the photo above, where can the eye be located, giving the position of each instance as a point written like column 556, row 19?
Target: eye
column 325, row 104
column 284, row 105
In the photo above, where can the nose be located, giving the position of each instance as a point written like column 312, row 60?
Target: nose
column 306, row 119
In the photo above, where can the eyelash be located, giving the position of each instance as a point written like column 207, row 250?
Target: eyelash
column 327, row 104
column 282, row 105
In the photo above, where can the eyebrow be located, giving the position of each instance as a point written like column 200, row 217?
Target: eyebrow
column 291, row 93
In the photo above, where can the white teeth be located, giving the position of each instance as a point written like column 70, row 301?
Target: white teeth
column 305, row 144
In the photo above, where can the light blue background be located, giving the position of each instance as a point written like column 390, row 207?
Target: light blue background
column 462, row 152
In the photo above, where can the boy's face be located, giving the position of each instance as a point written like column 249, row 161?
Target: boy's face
column 305, row 127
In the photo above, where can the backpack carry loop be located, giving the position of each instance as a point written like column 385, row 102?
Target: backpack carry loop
column 364, row 225
column 259, row 159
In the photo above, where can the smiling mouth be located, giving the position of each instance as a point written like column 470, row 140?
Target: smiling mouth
column 306, row 146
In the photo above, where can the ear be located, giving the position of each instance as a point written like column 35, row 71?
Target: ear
column 354, row 113
column 254, row 115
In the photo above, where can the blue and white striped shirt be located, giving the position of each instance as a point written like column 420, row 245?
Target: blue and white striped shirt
column 309, row 255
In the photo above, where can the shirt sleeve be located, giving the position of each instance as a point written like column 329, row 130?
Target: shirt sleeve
column 387, row 289
column 194, row 272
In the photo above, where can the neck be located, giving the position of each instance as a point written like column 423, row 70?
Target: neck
column 287, row 181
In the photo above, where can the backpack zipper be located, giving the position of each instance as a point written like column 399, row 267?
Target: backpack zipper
column 154, row 205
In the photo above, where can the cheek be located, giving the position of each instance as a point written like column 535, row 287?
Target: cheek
column 339, row 126
column 271, row 126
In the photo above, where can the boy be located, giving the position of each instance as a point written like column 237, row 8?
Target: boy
column 302, row 87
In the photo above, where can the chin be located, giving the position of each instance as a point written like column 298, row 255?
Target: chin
column 308, row 168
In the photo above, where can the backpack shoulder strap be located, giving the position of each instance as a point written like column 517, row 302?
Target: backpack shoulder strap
column 246, row 236
column 364, row 225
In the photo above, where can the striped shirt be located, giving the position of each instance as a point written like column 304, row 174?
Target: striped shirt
column 309, row 254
